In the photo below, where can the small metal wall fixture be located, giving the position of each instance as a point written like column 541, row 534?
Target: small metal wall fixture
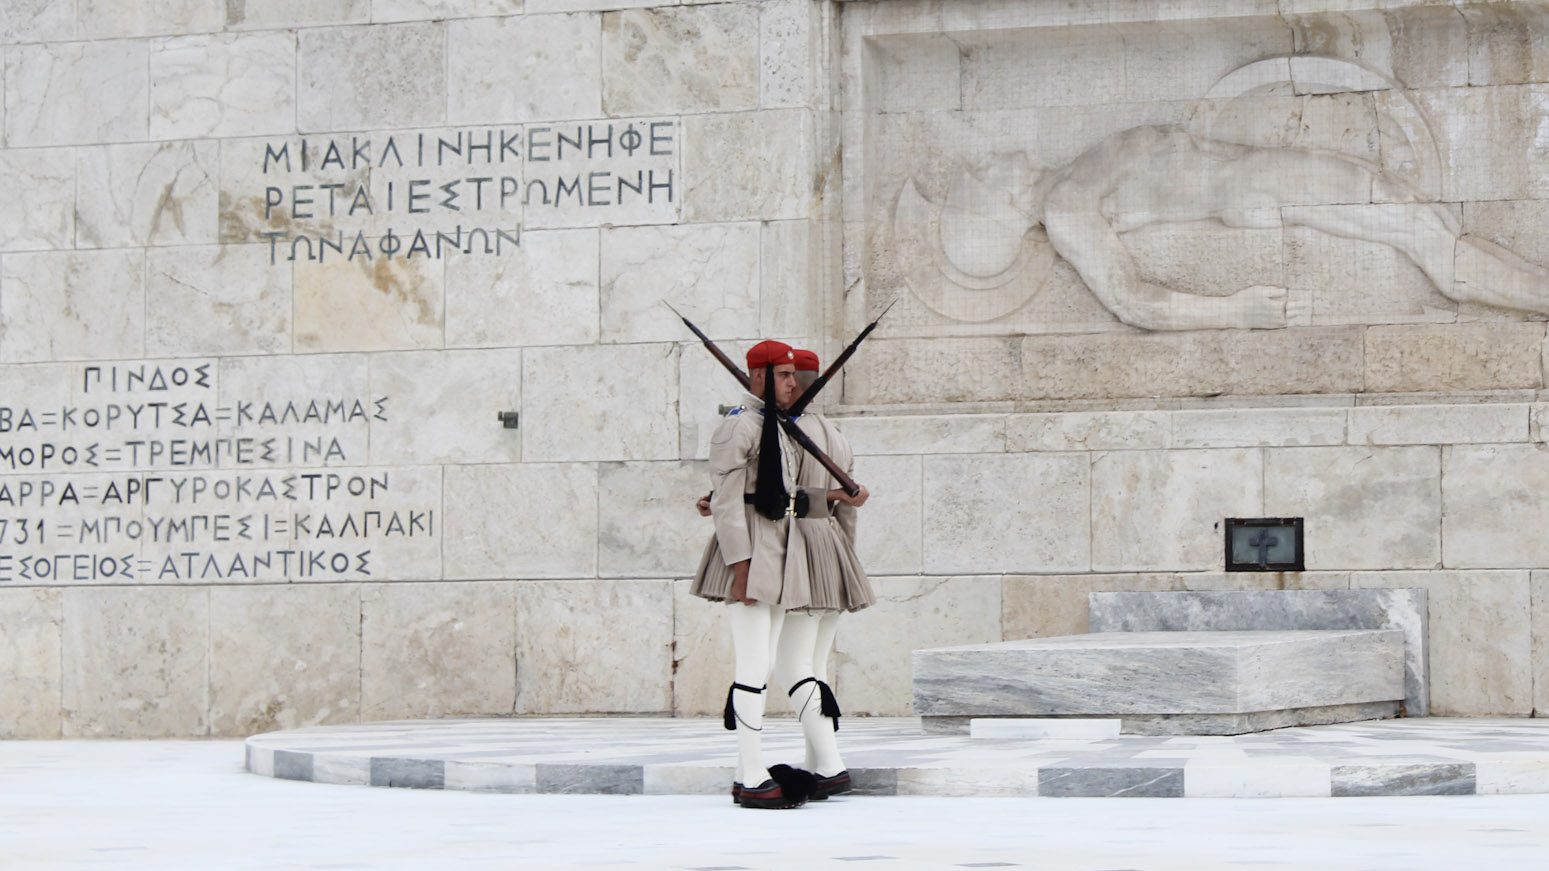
column 508, row 419
column 1264, row 544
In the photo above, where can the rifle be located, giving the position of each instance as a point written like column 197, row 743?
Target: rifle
column 786, row 423
column 812, row 392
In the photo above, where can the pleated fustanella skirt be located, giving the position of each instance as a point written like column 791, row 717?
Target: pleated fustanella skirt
column 819, row 558
column 839, row 583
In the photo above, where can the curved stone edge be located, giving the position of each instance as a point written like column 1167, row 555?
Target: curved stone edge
column 1195, row 779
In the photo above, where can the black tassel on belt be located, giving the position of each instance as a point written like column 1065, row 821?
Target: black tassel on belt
column 769, row 496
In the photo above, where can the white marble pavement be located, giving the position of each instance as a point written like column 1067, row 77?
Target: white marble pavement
column 659, row 756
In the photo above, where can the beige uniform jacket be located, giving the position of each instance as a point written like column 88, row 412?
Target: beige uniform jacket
column 741, row 532
column 808, row 563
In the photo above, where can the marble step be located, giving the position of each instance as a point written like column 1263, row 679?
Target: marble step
column 1199, row 682
column 1041, row 728
column 1404, row 609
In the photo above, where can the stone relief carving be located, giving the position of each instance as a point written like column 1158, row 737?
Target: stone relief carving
column 987, row 247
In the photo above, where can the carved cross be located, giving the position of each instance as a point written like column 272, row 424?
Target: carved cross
column 1263, row 541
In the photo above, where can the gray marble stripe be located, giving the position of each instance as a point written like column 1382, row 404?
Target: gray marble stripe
column 874, row 781
column 291, row 765
column 591, row 779
column 1110, row 782
column 411, row 773
column 1404, row 779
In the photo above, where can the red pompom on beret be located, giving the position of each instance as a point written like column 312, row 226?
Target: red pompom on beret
column 770, row 353
column 806, row 361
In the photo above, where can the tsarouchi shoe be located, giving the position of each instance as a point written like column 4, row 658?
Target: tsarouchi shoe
column 766, row 795
column 839, row 784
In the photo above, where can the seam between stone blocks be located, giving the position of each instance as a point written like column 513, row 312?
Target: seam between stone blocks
column 209, row 656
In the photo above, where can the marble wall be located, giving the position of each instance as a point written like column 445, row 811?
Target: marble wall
column 269, row 271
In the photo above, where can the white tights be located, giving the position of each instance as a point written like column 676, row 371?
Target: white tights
column 794, row 664
column 798, row 645
column 754, row 631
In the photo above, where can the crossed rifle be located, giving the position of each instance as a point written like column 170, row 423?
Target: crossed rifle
column 787, row 419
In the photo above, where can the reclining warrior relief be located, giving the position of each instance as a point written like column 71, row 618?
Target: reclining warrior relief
column 998, row 216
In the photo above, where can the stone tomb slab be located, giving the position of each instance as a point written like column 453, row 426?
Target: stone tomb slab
column 1164, row 682
column 1223, row 610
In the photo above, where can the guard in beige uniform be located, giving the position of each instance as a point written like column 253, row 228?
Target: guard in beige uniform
column 839, row 585
column 821, row 578
column 758, row 559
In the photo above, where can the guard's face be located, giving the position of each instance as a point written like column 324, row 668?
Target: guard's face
column 804, row 382
column 786, row 388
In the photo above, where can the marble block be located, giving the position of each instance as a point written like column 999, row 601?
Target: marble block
column 647, row 523
column 710, row 272
column 68, row 93
column 1366, row 507
column 1160, row 510
column 1479, row 638
column 1144, row 674
column 1455, row 357
column 268, row 14
column 570, row 658
column 345, row 82
column 116, row 19
column 626, row 395
column 72, row 305
column 147, row 194
column 36, row 20
column 872, row 652
column 135, row 662
column 431, row 650
column 701, row 653
column 680, row 60
column 448, row 401
column 283, row 656
column 1491, row 506
column 543, row 293
column 747, row 165
column 380, row 305
column 887, row 535
column 1233, row 610
column 525, row 68
column 521, row 521
column 39, row 208
column 216, row 299
column 234, row 84
column 1047, row 533
column 29, row 662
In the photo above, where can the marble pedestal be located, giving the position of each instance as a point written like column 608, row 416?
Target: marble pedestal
column 1203, row 683
column 1404, row 609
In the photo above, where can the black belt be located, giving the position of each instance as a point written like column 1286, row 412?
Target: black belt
column 809, row 502
column 803, row 503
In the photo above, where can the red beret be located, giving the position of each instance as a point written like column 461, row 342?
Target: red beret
column 806, row 361
column 770, row 353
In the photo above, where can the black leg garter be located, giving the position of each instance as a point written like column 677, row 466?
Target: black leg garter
column 729, row 718
column 830, row 705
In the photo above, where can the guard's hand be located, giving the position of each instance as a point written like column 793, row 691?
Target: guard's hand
column 739, row 583
column 838, row 495
column 703, row 505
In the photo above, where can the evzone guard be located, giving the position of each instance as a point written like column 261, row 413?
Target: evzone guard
column 783, row 556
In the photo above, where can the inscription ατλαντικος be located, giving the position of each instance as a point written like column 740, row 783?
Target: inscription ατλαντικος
column 148, row 476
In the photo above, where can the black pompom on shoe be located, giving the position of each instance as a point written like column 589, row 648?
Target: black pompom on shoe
column 796, row 783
